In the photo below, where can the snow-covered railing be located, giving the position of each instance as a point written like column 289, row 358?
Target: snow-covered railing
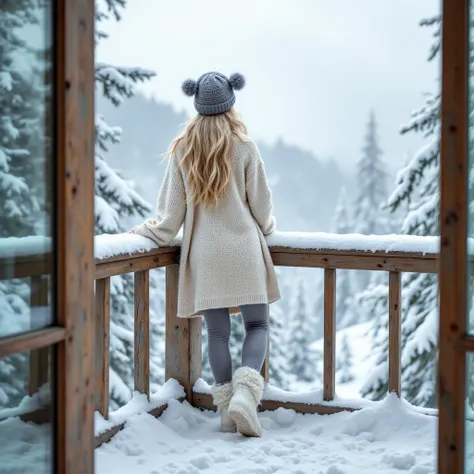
column 127, row 253
column 118, row 254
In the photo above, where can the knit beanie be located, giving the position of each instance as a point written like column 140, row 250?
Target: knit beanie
column 213, row 92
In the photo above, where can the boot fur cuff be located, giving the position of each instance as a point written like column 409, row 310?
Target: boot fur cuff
column 222, row 394
column 250, row 378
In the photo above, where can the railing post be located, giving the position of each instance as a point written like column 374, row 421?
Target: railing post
column 142, row 332
column 329, row 372
column 394, row 333
column 183, row 352
column 102, row 345
column 39, row 358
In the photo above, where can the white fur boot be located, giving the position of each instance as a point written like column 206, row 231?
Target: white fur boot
column 248, row 390
column 222, row 395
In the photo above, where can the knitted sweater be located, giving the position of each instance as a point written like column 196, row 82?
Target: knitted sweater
column 225, row 260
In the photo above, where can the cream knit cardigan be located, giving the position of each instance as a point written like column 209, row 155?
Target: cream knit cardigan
column 225, row 260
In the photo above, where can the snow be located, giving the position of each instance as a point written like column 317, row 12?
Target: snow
column 139, row 404
column 6, row 81
column 25, row 447
column 387, row 438
column 29, row 404
column 24, row 246
column 364, row 243
column 109, row 245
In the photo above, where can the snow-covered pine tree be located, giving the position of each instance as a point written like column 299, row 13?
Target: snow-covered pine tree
column 303, row 360
column 369, row 216
column 279, row 374
column 417, row 186
column 23, row 102
column 372, row 184
column 344, row 365
column 346, row 287
column 157, row 328
column 116, row 200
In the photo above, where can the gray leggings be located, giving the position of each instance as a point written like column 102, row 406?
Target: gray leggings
column 254, row 349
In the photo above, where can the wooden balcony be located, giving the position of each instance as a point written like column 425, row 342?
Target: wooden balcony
column 183, row 357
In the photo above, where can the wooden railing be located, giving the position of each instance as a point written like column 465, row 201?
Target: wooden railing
column 183, row 358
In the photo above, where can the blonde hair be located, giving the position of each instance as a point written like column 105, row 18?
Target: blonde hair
column 206, row 148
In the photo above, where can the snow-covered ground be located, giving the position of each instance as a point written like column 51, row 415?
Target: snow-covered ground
column 389, row 438
column 386, row 437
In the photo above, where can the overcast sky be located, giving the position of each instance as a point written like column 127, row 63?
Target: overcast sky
column 314, row 68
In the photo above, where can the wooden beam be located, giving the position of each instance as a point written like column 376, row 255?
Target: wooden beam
column 39, row 366
column 31, row 340
column 204, row 401
column 108, row 435
column 142, row 332
column 346, row 260
column 137, row 262
column 466, row 344
column 183, row 359
column 26, row 266
column 102, row 346
column 329, row 369
column 453, row 235
column 394, row 333
column 74, row 90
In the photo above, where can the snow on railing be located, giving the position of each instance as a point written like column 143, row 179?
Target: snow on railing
column 108, row 245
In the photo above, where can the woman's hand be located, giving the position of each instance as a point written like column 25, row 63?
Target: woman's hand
column 132, row 230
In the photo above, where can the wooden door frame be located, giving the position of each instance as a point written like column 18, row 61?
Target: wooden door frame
column 71, row 335
column 454, row 170
column 75, row 241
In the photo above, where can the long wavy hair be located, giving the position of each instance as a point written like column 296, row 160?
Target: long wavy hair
column 205, row 148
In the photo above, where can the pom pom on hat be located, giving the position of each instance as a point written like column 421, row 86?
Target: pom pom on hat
column 237, row 81
column 189, row 87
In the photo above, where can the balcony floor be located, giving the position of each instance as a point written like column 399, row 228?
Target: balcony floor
column 390, row 438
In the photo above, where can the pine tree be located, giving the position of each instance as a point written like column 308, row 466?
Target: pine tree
column 344, row 363
column 157, row 328
column 115, row 200
column 24, row 98
column 279, row 373
column 317, row 314
column 372, row 188
column 417, row 187
column 303, row 360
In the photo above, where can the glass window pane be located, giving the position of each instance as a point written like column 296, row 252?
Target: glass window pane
column 470, row 228
column 26, row 416
column 470, row 415
column 26, row 165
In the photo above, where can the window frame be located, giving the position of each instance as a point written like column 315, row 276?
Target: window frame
column 71, row 337
column 454, row 342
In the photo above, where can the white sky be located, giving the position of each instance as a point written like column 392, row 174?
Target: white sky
column 314, row 68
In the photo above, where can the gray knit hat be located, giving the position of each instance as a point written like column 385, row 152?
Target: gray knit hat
column 213, row 92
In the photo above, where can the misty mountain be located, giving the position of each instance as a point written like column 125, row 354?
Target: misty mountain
column 305, row 188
